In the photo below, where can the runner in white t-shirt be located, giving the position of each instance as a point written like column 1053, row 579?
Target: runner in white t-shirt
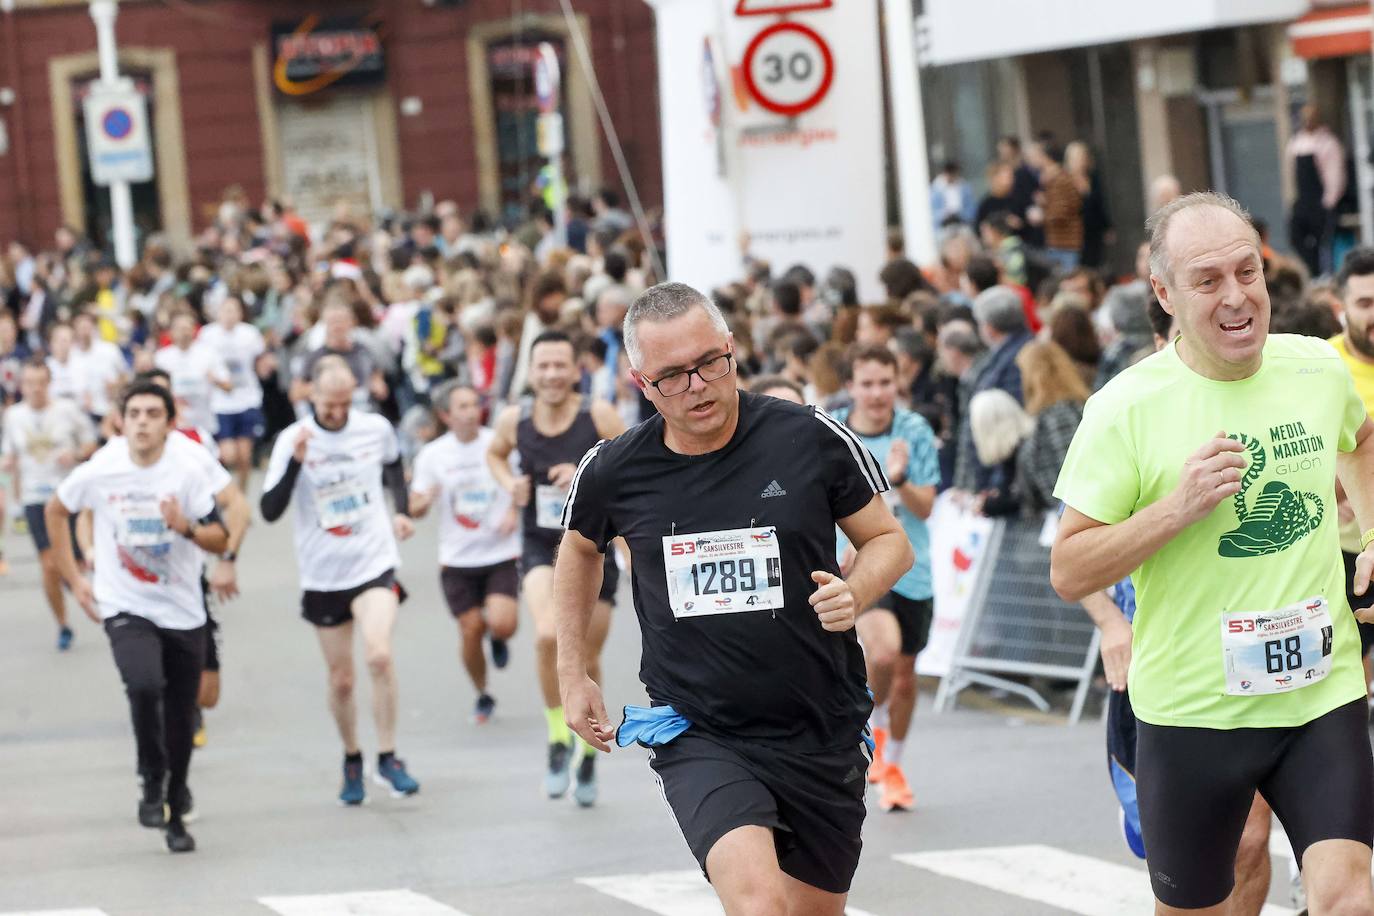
column 103, row 368
column 237, row 406
column 195, row 369
column 479, row 533
column 222, row 582
column 44, row 439
column 66, row 370
column 334, row 465
column 154, row 513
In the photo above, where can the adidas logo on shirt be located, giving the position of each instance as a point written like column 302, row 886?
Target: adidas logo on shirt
column 773, row 489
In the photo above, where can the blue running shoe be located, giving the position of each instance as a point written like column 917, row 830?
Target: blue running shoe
column 500, row 653
column 486, row 705
column 584, row 793
column 393, row 775
column 64, row 639
column 353, row 792
column 558, row 777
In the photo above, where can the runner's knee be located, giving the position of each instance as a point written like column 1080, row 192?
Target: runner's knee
column 341, row 683
column 379, row 661
column 471, row 625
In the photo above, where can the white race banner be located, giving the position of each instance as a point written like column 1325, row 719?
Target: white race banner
column 958, row 541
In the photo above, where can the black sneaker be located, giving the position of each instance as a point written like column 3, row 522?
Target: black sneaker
column 152, row 808
column 181, row 805
column 178, row 840
column 557, row 779
column 585, row 791
column 486, row 705
column 500, row 653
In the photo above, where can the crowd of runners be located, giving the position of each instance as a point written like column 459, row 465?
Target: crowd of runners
column 759, row 462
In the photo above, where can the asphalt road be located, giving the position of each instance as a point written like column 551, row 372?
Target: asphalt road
column 1014, row 812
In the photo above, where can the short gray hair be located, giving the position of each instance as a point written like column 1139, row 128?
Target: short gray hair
column 1128, row 310
column 665, row 302
column 1000, row 309
column 1157, row 226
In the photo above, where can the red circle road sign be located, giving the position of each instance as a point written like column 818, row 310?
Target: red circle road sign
column 796, row 68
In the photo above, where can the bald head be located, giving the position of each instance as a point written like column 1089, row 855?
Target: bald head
column 1195, row 218
column 332, row 386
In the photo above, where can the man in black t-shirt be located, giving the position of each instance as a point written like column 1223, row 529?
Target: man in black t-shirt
column 728, row 502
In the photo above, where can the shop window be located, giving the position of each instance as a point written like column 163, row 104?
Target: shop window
column 510, row 64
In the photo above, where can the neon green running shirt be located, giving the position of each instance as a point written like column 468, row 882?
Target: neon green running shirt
column 1272, row 545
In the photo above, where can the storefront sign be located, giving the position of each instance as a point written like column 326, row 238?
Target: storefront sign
column 309, row 55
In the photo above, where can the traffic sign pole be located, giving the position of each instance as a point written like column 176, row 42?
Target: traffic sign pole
column 103, row 12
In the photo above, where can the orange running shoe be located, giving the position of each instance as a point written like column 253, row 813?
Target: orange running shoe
column 896, row 794
column 878, row 766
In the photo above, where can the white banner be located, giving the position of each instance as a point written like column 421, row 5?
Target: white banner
column 117, row 134
column 776, row 131
column 957, row 541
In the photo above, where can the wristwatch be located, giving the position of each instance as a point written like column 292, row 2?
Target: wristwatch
column 191, row 527
column 229, row 556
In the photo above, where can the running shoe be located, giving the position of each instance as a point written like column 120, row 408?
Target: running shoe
column 353, row 792
column 152, row 807
column 558, row 777
column 585, row 790
column 878, row 767
column 896, row 794
column 500, row 653
column 178, row 840
column 486, row 705
column 393, row 775
column 199, row 738
column 64, row 639
column 181, row 805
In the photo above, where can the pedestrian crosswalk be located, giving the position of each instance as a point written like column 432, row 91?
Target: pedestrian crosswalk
column 1068, row 882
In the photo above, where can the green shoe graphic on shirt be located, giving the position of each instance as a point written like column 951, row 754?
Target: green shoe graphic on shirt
column 1278, row 519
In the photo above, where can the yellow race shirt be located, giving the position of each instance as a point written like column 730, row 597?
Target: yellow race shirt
column 1363, row 373
column 1273, row 545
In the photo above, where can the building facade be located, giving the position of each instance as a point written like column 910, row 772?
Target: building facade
column 374, row 106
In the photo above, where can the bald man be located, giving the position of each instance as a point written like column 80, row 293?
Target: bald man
column 336, row 464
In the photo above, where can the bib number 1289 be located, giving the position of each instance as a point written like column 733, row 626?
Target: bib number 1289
column 724, row 577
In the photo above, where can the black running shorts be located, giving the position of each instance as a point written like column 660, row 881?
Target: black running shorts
column 1196, row 785
column 813, row 802
column 466, row 588
column 914, row 617
column 538, row 552
column 332, row 609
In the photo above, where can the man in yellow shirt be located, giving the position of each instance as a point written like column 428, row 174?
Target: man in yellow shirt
column 1355, row 287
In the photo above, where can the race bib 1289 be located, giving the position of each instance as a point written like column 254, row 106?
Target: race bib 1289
column 723, row 572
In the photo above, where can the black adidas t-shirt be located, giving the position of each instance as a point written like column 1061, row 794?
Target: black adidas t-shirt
column 773, row 676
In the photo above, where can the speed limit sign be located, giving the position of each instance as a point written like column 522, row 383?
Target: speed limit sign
column 788, row 68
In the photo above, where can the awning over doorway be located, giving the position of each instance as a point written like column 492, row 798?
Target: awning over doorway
column 1336, row 32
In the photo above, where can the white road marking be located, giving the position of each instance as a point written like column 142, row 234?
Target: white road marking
column 669, row 893
column 1075, row 883
column 362, row 903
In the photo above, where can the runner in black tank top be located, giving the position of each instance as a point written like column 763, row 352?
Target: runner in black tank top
column 552, row 431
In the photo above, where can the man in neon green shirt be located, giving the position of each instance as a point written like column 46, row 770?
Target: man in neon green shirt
column 1355, row 287
column 1245, row 671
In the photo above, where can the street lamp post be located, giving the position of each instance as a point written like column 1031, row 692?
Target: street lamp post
column 103, row 13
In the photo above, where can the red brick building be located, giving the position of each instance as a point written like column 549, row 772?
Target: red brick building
column 439, row 104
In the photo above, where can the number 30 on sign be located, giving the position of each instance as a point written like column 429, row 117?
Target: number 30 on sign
column 788, row 68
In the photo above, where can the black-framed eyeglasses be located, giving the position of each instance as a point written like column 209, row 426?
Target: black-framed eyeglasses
column 675, row 383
